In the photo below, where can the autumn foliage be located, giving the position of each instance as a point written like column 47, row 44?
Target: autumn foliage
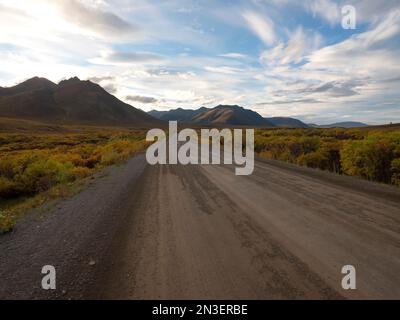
column 369, row 154
column 34, row 164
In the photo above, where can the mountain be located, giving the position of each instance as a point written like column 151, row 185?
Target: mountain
column 231, row 115
column 70, row 102
column 286, row 122
column 28, row 86
column 347, row 124
column 220, row 115
column 236, row 115
column 184, row 115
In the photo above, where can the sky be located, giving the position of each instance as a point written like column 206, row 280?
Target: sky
column 276, row 57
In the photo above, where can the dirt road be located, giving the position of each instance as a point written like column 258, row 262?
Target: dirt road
column 142, row 232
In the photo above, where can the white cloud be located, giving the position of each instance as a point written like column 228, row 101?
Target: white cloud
column 233, row 55
column 45, row 18
column 262, row 26
column 141, row 99
column 102, row 23
column 127, row 58
column 350, row 77
column 326, row 9
column 298, row 46
column 223, row 69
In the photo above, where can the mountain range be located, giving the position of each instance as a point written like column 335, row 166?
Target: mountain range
column 226, row 115
column 78, row 102
column 346, row 124
column 70, row 102
column 236, row 115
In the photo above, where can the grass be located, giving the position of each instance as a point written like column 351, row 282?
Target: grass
column 35, row 168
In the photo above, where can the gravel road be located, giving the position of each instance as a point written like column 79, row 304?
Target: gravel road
column 200, row 232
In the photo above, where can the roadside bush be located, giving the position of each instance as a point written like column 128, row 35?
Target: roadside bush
column 315, row 160
column 8, row 188
column 81, row 172
column 7, row 168
column 44, row 174
column 369, row 158
column 309, row 144
column 331, row 149
column 368, row 153
column 395, row 168
column 7, row 222
column 37, row 168
column 33, row 164
column 109, row 156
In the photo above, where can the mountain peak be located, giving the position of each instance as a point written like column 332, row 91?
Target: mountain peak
column 71, row 102
column 228, row 106
column 72, row 80
column 230, row 115
column 36, row 83
column 29, row 85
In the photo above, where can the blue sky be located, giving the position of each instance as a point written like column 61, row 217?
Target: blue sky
column 277, row 57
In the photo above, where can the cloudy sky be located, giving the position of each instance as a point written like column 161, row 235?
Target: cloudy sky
column 277, row 57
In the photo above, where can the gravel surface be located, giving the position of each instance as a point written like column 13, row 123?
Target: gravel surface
column 166, row 232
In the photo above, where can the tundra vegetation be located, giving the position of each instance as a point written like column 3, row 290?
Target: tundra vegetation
column 35, row 168
column 369, row 153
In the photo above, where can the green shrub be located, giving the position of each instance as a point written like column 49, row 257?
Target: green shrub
column 35, row 168
column 365, row 153
column 315, row 160
column 44, row 174
column 7, row 168
column 8, row 188
column 369, row 158
column 395, row 168
column 6, row 222
column 81, row 172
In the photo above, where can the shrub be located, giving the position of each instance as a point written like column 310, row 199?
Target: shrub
column 331, row 149
column 32, row 164
column 309, row 144
column 7, row 168
column 7, row 222
column 365, row 153
column 8, row 188
column 369, row 158
column 315, row 160
column 395, row 168
column 44, row 174
column 81, row 172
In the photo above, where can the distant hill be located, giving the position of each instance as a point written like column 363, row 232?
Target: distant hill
column 226, row 115
column 28, row 86
column 220, row 115
column 286, row 122
column 236, row 115
column 347, row 124
column 70, row 102
column 231, row 115
column 184, row 115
